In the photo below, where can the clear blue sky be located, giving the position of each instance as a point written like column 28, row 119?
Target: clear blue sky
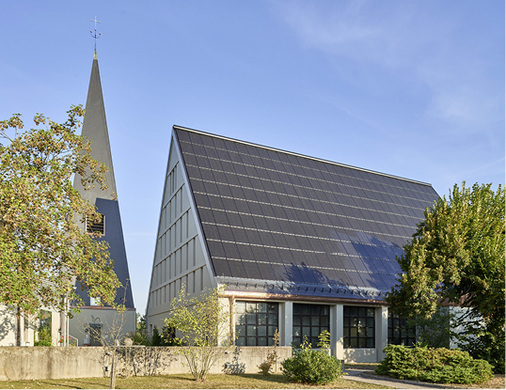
column 411, row 88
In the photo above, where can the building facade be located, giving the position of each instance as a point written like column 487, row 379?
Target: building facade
column 299, row 244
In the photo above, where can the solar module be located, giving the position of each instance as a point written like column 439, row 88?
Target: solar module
column 280, row 217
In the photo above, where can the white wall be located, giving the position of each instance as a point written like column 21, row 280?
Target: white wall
column 115, row 325
column 8, row 327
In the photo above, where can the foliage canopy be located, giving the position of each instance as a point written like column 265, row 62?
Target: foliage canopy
column 457, row 257
column 44, row 249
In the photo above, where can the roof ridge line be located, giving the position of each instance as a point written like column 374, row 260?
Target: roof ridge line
column 299, row 155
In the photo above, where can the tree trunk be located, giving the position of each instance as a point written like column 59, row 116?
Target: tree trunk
column 18, row 327
column 113, row 369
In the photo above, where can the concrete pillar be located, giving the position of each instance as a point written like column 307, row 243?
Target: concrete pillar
column 227, row 330
column 21, row 330
column 30, row 327
column 286, row 323
column 55, row 328
column 337, row 331
column 381, row 331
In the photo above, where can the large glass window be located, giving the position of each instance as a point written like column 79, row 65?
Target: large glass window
column 309, row 321
column 399, row 332
column 359, row 327
column 256, row 323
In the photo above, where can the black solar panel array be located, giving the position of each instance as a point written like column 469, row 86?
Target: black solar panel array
column 273, row 215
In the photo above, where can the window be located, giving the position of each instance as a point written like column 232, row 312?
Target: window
column 96, row 226
column 309, row 321
column 359, row 327
column 95, row 335
column 399, row 332
column 256, row 323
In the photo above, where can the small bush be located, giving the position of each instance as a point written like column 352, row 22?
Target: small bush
column 436, row 365
column 42, row 343
column 311, row 366
column 272, row 357
column 266, row 366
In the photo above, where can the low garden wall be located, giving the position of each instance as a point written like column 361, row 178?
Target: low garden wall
column 25, row 363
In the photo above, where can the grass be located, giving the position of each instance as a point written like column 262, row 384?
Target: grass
column 182, row 381
column 185, row 381
column 497, row 382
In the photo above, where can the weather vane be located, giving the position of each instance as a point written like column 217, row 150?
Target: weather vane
column 94, row 34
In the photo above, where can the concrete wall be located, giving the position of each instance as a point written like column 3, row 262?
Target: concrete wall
column 21, row 363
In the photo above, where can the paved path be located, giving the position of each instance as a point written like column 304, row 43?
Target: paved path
column 368, row 376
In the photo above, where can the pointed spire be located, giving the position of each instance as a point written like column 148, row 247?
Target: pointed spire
column 95, row 129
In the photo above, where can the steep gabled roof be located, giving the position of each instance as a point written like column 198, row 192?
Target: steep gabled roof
column 288, row 223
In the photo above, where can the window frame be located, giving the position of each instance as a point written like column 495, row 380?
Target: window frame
column 311, row 317
column 252, row 318
column 359, row 327
column 406, row 334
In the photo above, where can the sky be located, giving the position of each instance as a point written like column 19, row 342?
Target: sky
column 410, row 88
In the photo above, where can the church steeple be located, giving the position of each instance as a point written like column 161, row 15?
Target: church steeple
column 95, row 129
column 105, row 201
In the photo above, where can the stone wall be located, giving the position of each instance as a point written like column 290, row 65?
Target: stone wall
column 24, row 363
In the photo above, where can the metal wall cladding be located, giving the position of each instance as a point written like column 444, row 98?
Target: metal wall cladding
column 285, row 217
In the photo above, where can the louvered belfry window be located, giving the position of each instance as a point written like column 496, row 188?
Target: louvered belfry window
column 96, row 226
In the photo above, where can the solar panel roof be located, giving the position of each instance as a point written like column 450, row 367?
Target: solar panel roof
column 299, row 224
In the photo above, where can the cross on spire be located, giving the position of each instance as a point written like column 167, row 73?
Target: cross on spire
column 94, row 35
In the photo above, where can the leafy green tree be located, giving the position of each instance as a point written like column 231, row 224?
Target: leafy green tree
column 44, row 249
column 457, row 257
column 203, row 323
column 436, row 331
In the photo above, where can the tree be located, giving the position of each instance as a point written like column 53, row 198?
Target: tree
column 44, row 249
column 456, row 257
column 140, row 337
column 203, row 322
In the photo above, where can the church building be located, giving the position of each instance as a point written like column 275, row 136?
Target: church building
column 299, row 244
column 96, row 324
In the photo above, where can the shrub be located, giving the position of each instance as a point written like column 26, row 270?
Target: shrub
column 42, row 343
column 202, row 322
column 272, row 357
column 156, row 338
column 311, row 366
column 437, row 365
column 266, row 366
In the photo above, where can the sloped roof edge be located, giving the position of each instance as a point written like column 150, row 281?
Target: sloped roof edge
column 177, row 127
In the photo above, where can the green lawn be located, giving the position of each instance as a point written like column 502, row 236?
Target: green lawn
column 243, row 381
